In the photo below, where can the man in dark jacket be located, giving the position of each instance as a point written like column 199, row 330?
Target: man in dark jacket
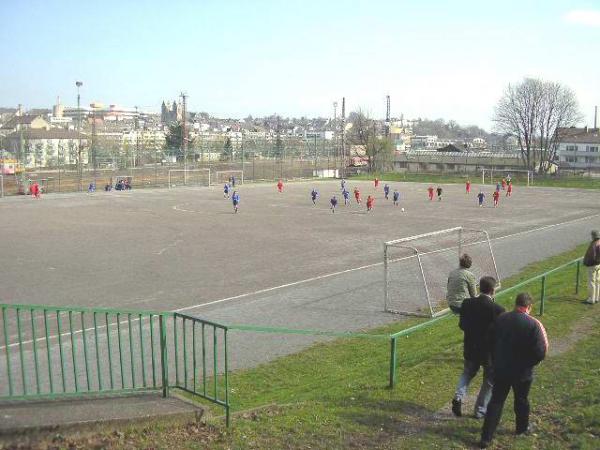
column 592, row 261
column 519, row 342
column 476, row 316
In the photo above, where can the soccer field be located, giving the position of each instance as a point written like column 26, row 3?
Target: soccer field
column 280, row 261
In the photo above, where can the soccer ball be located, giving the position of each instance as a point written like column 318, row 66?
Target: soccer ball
column 402, row 210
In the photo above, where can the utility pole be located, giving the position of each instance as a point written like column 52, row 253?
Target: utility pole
column 335, row 104
column 184, row 136
column 387, row 117
column 343, row 136
column 79, row 152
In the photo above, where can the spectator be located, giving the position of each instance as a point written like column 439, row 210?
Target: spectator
column 461, row 284
column 476, row 316
column 592, row 261
column 518, row 342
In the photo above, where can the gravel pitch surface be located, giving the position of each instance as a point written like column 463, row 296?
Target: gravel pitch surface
column 280, row 261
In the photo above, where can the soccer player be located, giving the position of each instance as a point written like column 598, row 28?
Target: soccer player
column 480, row 198
column 235, row 199
column 91, row 188
column 430, row 192
column 232, row 181
column 468, row 186
column 333, row 202
column 357, row 195
column 503, row 184
column 509, row 189
column 346, row 195
column 439, row 193
column 498, row 186
column 226, row 191
column 496, row 197
column 35, row 190
column 370, row 201
column 313, row 195
column 376, row 182
column 343, row 183
column 386, row 191
column 280, row 186
column 396, row 197
column 508, row 178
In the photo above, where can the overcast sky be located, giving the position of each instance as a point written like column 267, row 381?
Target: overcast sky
column 448, row 59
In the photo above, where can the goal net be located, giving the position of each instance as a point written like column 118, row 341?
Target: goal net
column 492, row 176
column 223, row 176
column 417, row 268
column 189, row 177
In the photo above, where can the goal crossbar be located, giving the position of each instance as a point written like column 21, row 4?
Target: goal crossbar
column 239, row 174
column 419, row 267
column 186, row 172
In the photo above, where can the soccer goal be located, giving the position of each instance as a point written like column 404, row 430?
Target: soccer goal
column 417, row 267
column 189, row 177
column 488, row 174
column 223, row 176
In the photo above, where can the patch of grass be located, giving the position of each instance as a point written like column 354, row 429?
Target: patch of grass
column 579, row 182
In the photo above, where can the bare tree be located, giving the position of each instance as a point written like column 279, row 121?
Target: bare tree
column 532, row 111
column 379, row 149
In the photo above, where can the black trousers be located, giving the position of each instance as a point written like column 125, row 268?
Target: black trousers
column 494, row 410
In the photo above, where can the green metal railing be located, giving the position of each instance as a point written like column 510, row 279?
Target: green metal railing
column 542, row 278
column 53, row 352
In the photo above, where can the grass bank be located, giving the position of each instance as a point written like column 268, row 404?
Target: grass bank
column 335, row 395
column 578, row 182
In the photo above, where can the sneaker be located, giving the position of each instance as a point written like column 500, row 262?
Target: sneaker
column 484, row 444
column 526, row 432
column 457, row 407
column 589, row 302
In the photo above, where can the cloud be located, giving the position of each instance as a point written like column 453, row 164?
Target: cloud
column 588, row 17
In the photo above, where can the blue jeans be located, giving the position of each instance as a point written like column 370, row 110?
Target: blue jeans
column 485, row 392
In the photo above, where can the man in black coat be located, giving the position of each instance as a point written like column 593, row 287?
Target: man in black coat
column 476, row 316
column 519, row 342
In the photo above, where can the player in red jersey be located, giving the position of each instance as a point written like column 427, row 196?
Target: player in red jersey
column 357, row 195
column 280, row 186
column 503, row 184
column 468, row 186
column 376, row 182
column 35, row 190
column 509, row 190
column 370, row 201
column 430, row 192
column 496, row 196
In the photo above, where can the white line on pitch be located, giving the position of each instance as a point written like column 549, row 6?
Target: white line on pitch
column 320, row 277
column 307, row 280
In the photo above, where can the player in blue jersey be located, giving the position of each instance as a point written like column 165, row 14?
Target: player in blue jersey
column 480, row 198
column 333, row 202
column 235, row 199
column 226, row 191
column 343, row 183
column 396, row 197
column 386, row 191
column 498, row 187
column 313, row 195
column 346, row 195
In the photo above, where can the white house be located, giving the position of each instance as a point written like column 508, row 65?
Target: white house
column 578, row 148
column 43, row 148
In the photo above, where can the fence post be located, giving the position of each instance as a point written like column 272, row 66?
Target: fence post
column 543, row 298
column 163, row 355
column 577, row 277
column 392, row 362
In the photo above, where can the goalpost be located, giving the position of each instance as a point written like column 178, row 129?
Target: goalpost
column 504, row 174
column 416, row 268
column 1, row 186
column 189, row 177
column 222, row 176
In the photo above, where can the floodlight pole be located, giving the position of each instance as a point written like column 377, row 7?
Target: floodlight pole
column 79, row 152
